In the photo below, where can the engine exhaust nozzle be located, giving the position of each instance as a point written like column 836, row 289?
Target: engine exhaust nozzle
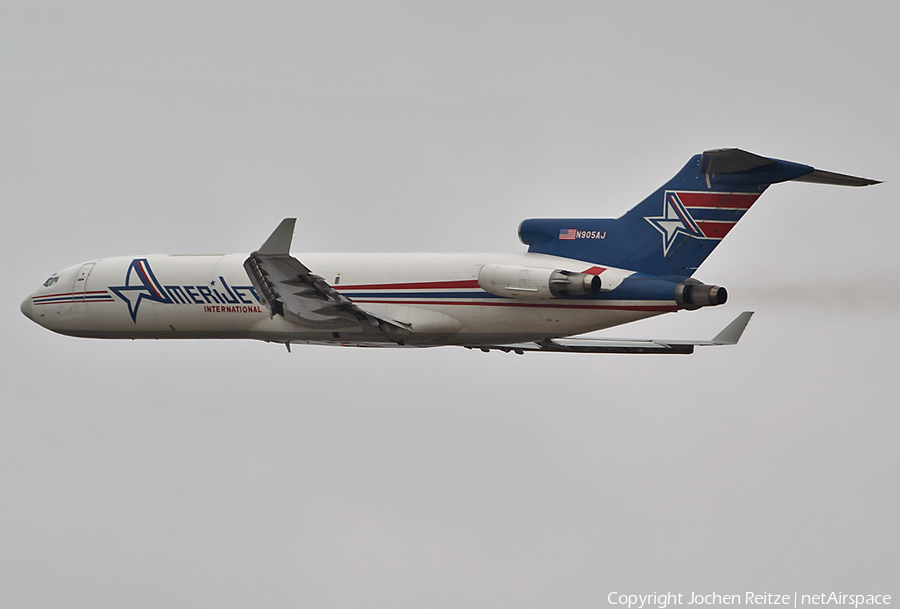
column 692, row 294
column 565, row 283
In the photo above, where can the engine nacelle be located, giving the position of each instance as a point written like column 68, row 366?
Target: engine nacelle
column 535, row 283
column 691, row 294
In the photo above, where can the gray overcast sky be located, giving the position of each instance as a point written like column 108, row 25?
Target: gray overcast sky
column 231, row 474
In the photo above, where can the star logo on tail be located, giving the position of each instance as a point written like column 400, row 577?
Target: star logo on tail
column 140, row 285
column 675, row 221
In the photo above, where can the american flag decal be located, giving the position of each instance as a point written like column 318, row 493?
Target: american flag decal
column 567, row 234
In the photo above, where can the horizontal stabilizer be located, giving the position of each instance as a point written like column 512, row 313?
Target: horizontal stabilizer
column 731, row 334
column 731, row 160
column 741, row 167
column 728, row 336
column 836, row 179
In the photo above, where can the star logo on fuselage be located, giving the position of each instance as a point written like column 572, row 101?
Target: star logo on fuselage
column 140, row 285
column 675, row 221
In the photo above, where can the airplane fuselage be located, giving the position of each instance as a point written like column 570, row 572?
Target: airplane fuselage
column 436, row 294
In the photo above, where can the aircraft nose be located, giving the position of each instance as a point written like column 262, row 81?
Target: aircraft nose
column 26, row 308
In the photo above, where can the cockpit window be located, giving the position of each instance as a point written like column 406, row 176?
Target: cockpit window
column 51, row 281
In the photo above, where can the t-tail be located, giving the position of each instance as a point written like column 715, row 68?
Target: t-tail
column 671, row 232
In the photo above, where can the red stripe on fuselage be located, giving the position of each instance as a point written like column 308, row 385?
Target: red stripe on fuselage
column 433, row 285
column 425, row 285
column 663, row 308
column 69, row 294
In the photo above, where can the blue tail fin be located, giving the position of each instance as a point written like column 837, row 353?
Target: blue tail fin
column 672, row 231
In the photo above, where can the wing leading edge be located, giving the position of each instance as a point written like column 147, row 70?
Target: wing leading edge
column 728, row 336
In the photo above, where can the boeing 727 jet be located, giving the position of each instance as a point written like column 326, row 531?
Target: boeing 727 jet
column 578, row 275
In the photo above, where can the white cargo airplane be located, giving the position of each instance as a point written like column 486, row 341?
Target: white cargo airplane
column 578, row 275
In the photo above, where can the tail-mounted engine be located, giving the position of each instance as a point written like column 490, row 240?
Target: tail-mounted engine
column 536, row 283
column 691, row 294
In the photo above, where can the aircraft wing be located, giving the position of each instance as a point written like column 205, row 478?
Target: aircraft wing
column 728, row 336
column 288, row 288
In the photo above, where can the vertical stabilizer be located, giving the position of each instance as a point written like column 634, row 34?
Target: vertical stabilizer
column 672, row 231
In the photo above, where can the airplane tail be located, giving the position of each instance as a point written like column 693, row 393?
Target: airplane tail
column 672, row 231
